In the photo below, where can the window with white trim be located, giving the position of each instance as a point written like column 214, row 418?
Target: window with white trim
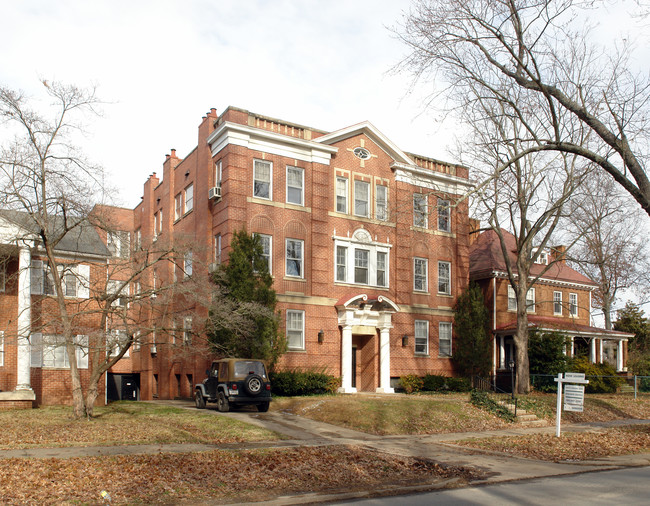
column 444, row 339
column 444, row 215
column 116, row 340
column 359, row 260
column 341, row 194
column 420, row 277
column 50, row 352
column 118, row 243
column 341, row 263
column 294, row 258
column 113, row 287
column 137, row 239
column 557, row 303
column 74, row 279
column 530, row 299
column 262, row 175
column 444, row 278
column 2, row 348
column 421, row 337
column 178, row 206
column 381, row 202
column 187, row 264
column 362, row 198
column 218, row 174
column 381, row 268
column 295, row 329
column 420, row 213
column 3, row 275
column 217, row 249
column 361, row 266
column 265, row 242
column 189, row 199
column 573, row 304
column 187, row 331
column 295, row 185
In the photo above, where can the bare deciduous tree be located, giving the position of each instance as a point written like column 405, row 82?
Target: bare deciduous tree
column 539, row 58
column 611, row 249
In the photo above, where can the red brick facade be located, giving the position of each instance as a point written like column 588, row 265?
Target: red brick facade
column 302, row 214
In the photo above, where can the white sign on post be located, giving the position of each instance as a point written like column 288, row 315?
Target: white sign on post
column 575, row 395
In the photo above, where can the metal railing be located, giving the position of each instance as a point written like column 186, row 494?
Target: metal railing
column 505, row 399
column 613, row 384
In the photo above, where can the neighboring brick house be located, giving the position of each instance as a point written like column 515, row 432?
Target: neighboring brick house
column 560, row 300
column 33, row 363
column 366, row 246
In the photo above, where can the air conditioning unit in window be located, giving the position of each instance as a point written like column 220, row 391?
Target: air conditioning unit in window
column 214, row 193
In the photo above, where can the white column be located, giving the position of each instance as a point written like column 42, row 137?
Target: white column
column 619, row 356
column 592, row 358
column 23, row 372
column 573, row 350
column 600, row 351
column 384, row 362
column 346, row 361
column 502, row 352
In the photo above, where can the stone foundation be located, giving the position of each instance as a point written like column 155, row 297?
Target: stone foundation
column 21, row 399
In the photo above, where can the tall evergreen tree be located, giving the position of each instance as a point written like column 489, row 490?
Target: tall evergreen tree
column 242, row 321
column 632, row 319
column 471, row 324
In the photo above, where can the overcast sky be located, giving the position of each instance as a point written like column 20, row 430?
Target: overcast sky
column 161, row 65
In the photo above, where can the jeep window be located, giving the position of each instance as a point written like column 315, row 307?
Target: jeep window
column 243, row 369
column 223, row 371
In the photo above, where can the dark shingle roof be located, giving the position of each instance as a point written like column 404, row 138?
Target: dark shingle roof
column 82, row 239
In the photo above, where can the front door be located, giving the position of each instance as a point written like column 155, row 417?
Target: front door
column 354, row 367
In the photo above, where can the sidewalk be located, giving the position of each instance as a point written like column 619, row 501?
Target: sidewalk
column 498, row 467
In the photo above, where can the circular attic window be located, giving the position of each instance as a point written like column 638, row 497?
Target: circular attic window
column 362, row 153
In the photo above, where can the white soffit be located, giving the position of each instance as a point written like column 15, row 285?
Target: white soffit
column 269, row 142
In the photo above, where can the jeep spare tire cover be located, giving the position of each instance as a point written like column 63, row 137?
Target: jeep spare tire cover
column 254, row 384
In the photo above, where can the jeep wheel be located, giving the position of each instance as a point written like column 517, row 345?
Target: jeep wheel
column 263, row 407
column 254, row 384
column 199, row 400
column 222, row 403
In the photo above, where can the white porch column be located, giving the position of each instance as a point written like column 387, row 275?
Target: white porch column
column 346, row 361
column 23, row 371
column 600, row 351
column 384, row 362
column 619, row 355
column 592, row 356
column 502, row 352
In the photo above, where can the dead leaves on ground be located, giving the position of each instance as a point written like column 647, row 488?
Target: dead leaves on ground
column 225, row 475
column 574, row 446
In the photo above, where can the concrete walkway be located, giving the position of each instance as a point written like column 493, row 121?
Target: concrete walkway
column 300, row 431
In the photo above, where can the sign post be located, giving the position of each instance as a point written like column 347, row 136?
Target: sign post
column 574, row 395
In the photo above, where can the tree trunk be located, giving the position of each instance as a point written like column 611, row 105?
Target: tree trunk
column 91, row 397
column 607, row 311
column 522, row 385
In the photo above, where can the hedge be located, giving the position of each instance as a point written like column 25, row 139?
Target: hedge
column 297, row 382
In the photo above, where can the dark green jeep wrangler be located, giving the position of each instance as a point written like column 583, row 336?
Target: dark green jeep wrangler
column 235, row 382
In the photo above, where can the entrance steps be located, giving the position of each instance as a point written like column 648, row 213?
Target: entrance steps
column 524, row 418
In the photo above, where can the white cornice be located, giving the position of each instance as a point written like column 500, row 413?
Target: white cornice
column 269, row 142
column 432, row 180
column 548, row 281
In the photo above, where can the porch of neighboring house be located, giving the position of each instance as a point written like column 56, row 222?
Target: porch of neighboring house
column 599, row 345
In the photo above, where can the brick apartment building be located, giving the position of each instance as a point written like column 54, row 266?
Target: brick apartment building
column 559, row 301
column 366, row 246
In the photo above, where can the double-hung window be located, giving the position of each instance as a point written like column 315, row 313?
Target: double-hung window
column 444, row 339
column 262, row 172
column 189, row 199
column 421, row 337
column 295, row 185
column 444, row 218
column 217, row 174
column 187, row 264
column 178, row 206
column 420, row 283
column 341, row 263
column 444, row 278
column 217, row 249
column 557, row 303
column 342, row 195
column 361, row 266
column 265, row 242
column 187, row 331
column 295, row 329
column 573, row 304
column 381, row 202
column 362, row 198
column 2, row 348
column 381, row 268
column 294, row 258
column 420, row 214
column 530, row 299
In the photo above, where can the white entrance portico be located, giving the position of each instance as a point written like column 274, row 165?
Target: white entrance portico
column 363, row 314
